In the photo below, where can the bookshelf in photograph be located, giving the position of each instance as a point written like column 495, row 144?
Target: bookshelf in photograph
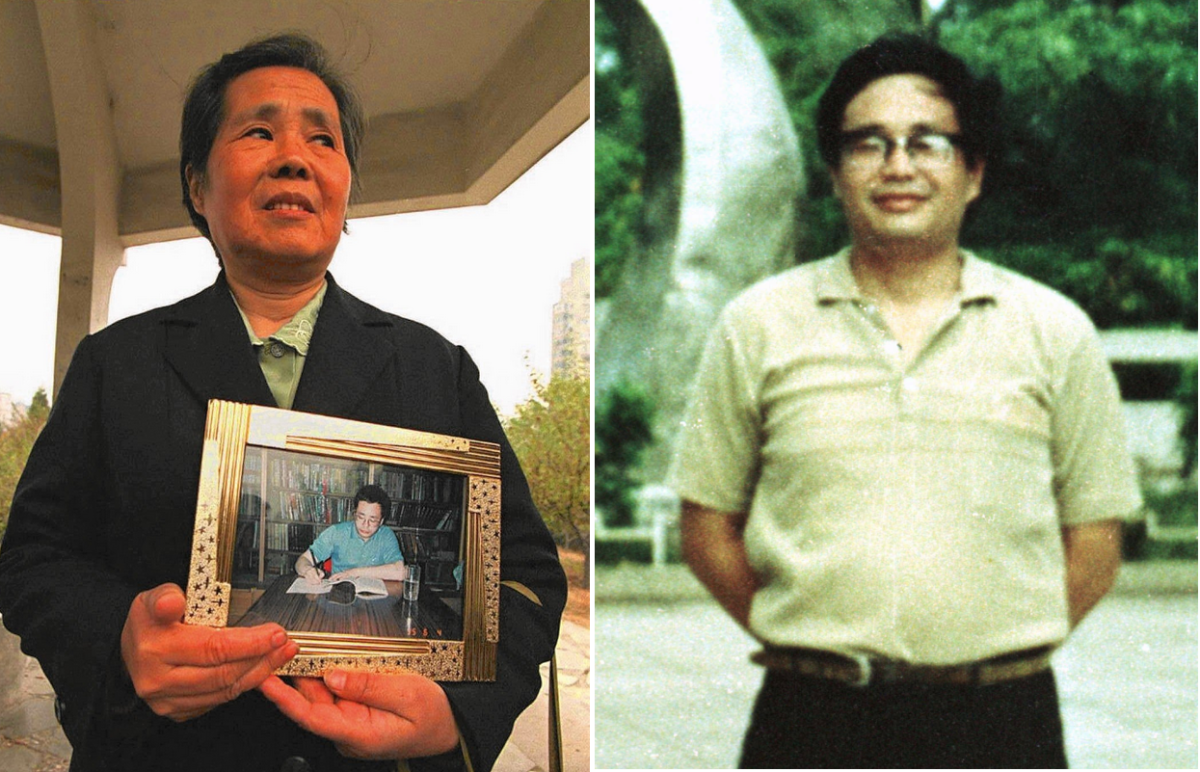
column 288, row 498
column 426, row 513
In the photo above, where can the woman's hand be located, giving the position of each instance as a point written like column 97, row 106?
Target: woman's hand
column 183, row 671
column 370, row 715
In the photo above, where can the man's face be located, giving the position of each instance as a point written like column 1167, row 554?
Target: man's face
column 896, row 199
column 367, row 519
column 278, row 180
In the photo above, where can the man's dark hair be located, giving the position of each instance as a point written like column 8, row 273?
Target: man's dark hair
column 204, row 108
column 975, row 100
column 373, row 494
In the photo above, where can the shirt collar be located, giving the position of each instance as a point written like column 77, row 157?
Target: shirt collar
column 979, row 279
column 297, row 333
column 835, row 280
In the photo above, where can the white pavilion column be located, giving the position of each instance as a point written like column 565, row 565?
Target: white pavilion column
column 90, row 175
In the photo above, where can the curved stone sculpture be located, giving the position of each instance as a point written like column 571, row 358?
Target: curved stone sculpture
column 721, row 204
column 723, row 179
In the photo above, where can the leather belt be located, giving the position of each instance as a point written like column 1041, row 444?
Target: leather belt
column 869, row 671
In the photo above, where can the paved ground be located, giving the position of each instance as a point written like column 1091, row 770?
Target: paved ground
column 1127, row 677
column 528, row 748
column 31, row 740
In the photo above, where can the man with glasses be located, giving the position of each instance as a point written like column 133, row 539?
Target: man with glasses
column 903, row 468
column 359, row 546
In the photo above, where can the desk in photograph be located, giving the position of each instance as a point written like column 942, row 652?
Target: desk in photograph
column 389, row 617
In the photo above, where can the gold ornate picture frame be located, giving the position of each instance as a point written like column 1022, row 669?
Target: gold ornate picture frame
column 272, row 480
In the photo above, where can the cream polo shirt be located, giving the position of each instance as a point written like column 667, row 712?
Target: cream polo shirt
column 281, row 354
column 906, row 511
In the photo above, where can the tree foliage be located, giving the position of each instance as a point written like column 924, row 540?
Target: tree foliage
column 15, row 443
column 623, row 432
column 550, row 433
column 1096, row 192
column 620, row 162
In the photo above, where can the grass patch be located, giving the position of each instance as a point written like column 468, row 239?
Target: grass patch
column 1171, row 510
column 1176, row 509
column 613, row 552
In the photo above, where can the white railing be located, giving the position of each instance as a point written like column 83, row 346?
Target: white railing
column 656, row 510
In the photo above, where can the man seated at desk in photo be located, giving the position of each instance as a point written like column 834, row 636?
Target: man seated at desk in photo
column 358, row 547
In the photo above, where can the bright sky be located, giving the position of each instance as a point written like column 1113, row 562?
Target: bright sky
column 486, row 277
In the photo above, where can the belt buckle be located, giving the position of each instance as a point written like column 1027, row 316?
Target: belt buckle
column 864, row 671
column 877, row 671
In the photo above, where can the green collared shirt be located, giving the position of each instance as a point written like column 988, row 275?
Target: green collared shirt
column 281, row 354
column 906, row 507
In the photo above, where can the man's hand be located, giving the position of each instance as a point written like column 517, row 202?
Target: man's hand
column 370, row 715
column 308, row 569
column 183, row 671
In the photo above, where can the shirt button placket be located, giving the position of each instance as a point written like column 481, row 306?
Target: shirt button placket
column 906, row 390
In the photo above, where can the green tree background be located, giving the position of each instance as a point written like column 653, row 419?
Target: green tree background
column 550, row 432
column 15, row 443
column 623, row 419
column 620, row 162
column 1096, row 194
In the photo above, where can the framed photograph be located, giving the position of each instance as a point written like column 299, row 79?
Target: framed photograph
column 374, row 547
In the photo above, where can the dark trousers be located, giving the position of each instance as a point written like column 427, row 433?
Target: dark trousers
column 802, row 722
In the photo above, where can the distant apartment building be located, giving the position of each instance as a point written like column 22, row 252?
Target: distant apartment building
column 570, row 347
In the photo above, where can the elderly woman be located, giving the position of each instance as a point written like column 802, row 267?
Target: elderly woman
column 99, row 539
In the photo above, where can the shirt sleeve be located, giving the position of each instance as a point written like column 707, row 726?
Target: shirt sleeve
column 390, row 551
column 322, row 546
column 1094, row 473
column 716, row 459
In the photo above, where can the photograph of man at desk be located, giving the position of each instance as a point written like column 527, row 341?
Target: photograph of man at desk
column 336, row 546
column 355, row 548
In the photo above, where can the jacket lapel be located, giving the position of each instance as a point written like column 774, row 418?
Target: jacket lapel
column 349, row 350
column 207, row 345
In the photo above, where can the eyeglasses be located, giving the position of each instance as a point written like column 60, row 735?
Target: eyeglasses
column 926, row 150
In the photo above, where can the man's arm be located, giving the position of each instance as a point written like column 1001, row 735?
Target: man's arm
column 714, row 549
column 395, row 572
column 1095, row 479
column 1093, row 556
